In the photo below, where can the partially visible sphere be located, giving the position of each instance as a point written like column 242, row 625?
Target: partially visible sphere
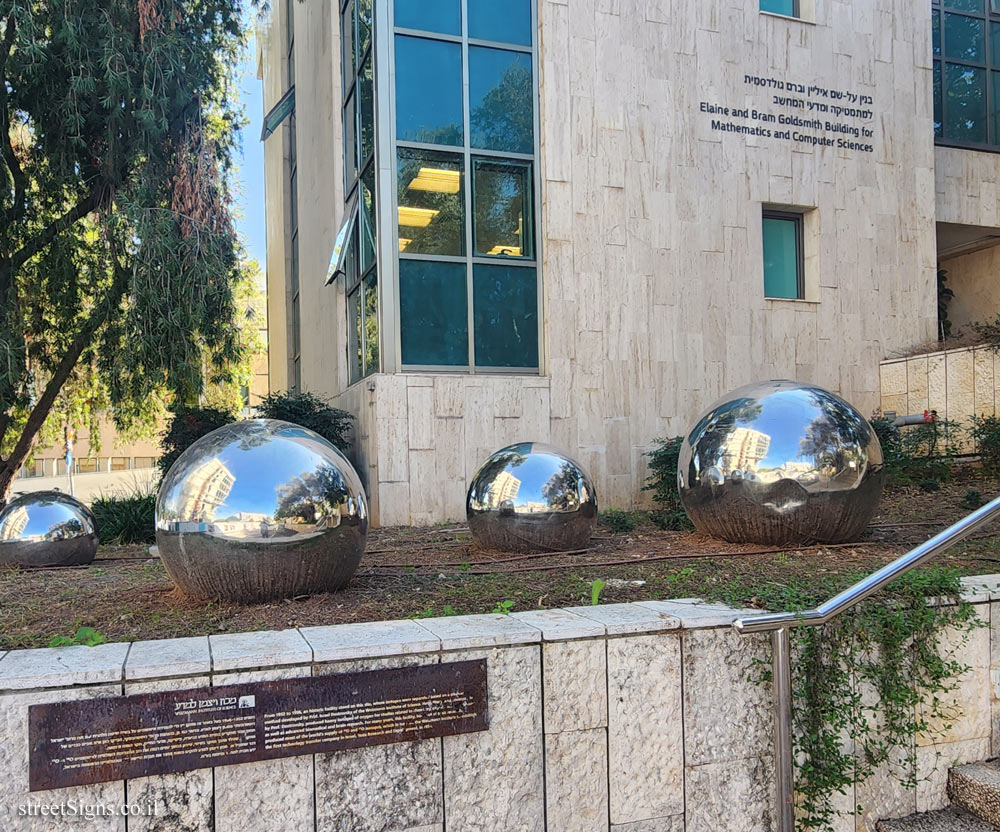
column 780, row 462
column 260, row 510
column 47, row 528
column 531, row 497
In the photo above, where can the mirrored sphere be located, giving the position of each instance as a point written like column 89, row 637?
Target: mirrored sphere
column 531, row 497
column 47, row 528
column 781, row 462
column 259, row 510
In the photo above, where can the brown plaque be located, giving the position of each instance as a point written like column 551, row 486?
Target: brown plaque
column 116, row 738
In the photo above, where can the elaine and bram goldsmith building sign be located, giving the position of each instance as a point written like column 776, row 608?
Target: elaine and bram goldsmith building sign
column 115, row 738
column 801, row 114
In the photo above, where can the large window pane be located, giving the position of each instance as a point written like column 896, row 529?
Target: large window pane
column 346, row 44
column 431, row 203
column 965, row 103
column 995, row 42
column 367, row 87
column 995, row 105
column 368, row 218
column 500, row 100
column 354, row 322
column 428, row 91
column 781, row 259
column 371, row 323
column 350, row 145
column 964, row 37
column 938, row 125
column 965, row 5
column 778, row 6
column 936, row 30
column 430, row 15
column 502, row 221
column 434, row 327
column 364, row 26
column 506, row 21
column 505, row 313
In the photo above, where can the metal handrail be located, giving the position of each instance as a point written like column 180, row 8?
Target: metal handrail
column 780, row 623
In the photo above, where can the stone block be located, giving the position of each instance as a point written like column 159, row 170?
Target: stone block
column 168, row 657
column 62, row 666
column 182, row 802
column 629, row 619
column 736, row 796
column 695, row 613
column 471, row 631
column 494, row 779
column 674, row 823
column 576, row 685
column 270, row 648
column 883, row 796
column 645, row 767
column 727, row 716
column 576, row 781
column 276, row 795
column 368, row 639
column 560, row 625
column 382, row 788
column 933, row 762
column 893, row 378
column 14, row 763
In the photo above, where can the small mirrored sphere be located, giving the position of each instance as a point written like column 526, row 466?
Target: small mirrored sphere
column 259, row 510
column 531, row 497
column 780, row 462
column 47, row 528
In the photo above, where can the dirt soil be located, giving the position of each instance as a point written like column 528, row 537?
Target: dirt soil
column 417, row 573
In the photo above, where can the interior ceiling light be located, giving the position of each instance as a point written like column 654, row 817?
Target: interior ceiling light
column 437, row 180
column 403, row 243
column 416, row 217
column 513, row 251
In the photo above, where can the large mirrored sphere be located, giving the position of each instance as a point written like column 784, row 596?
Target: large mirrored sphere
column 781, row 462
column 259, row 510
column 531, row 497
column 47, row 528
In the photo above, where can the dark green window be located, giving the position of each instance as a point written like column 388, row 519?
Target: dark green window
column 966, row 50
column 360, row 254
column 783, row 262
column 786, row 7
column 466, row 184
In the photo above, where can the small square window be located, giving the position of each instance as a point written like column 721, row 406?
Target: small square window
column 785, row 7
column 783, row 257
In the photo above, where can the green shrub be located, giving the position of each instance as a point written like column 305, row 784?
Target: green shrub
column 662, row 481
column 86, row 636
column 917, row 453
column 985, row 432
column 618, row 521
column 929, row 485
column 972, row 499
column 309, row 411
column 128, row 519
column 186, row 425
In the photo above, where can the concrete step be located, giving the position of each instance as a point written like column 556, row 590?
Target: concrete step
column 947, row 820
column 975, row 788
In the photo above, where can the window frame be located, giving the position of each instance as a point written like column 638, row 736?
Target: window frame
column 796, row 10
column 798, row 219
column 389, row 207
column 991, row 64
column 292, row 326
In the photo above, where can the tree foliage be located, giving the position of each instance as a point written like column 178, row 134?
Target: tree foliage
column 119, row 264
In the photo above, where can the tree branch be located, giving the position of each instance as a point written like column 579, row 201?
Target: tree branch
column 19, row 205
column 40, row 412
column 85, row 206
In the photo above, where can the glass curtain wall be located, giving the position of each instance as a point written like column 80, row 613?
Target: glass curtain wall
column 465, row 137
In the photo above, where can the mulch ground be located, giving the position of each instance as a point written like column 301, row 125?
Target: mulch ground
column 412, row 573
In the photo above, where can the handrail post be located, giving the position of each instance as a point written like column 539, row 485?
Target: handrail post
column 781, row 671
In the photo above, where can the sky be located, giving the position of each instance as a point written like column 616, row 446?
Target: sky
column 250, row 176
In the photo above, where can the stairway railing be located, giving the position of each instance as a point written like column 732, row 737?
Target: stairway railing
column 779, row 624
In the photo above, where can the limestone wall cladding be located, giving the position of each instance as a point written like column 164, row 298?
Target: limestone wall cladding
column 651, row 241
column 958, row 384
column 972, row 277
column 622, row 717
column 967, row 186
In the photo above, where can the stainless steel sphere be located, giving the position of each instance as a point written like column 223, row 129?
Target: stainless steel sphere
column 781, row 462
column 47, row 528
column 259, row 510
column 530, row 497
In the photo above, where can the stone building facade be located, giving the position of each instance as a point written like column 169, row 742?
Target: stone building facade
column 583, row 221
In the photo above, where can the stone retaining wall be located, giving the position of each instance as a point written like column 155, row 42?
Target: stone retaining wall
column 627, row 717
